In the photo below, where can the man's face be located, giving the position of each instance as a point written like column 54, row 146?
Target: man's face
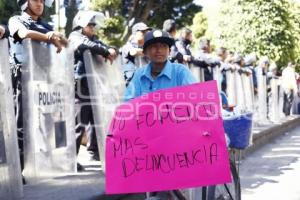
column 36, row 7
column 189, row 37
column 158, row 52
column 89, row 30
column 224, row 55
column 139, row 35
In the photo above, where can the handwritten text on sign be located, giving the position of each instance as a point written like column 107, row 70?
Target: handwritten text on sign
column 169, row 139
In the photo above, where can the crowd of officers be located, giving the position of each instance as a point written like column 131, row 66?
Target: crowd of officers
column 83, row 37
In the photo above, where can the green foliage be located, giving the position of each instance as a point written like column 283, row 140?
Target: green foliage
column 106, row 4
column 295, row 13
column 122, row 14
column 264, row 27
column 112, row 31
column 114, row 23
column 200, row 25
column 183, row 11
column 8, row 9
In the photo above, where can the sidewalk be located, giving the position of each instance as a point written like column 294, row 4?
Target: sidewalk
column 90, row 184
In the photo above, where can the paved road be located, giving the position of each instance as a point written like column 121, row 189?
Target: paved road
column 273, row 172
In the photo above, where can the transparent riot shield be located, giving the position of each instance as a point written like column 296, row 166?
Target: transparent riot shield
column 240, row 93
column 10, row 171
column 248, row 89
column 231, row 87
column 196, row 71
column 217, row 76
column 48, row 111
column 275, row 100
column 262, row 96
column 140, row 61
column 106, row 86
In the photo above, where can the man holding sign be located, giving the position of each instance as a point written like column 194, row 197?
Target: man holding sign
column 170, row 135
column 160, row 72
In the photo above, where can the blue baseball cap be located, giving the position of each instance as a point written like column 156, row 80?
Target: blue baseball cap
column 156, row 36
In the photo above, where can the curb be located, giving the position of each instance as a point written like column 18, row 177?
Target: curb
column 265, row 136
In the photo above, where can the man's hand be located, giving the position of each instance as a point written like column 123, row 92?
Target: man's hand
column 57, row 39
column 112, row 55
column 2, row 31
column 112, row 52
column 57, row 44
column 187, row 58
column 136, row 52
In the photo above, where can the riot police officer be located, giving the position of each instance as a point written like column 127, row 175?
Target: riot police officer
column 170, row 27
column 132, row 52
column 84, row 38
column 28, row 25
column 208, row 61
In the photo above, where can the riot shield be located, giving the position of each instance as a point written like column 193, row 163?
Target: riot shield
column 196, row 71
column 106, row 86
column 10, row 171
column 217, row 76
column 48, row 111
column 262, row 95
column 240, row 94
column 231, row 87
column 248, row 89
column 275, row 100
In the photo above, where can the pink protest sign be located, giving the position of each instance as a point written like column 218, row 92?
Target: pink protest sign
column 169, row 139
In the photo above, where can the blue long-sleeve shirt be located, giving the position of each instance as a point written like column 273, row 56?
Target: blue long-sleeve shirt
column 172, row 75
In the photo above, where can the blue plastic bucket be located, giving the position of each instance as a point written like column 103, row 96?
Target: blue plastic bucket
column 238, row 129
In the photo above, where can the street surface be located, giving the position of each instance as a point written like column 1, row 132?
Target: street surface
column 273, row 172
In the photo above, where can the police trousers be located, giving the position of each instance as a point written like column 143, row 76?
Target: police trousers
column 84, row 120
column 288, row 98
column 16, row 78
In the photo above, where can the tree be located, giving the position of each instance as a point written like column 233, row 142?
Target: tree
column 123, row 14
column 260, row 26
column 295, row 12
column 114, row 23
column 71, row 11
column 8, row 9
column 200, row 25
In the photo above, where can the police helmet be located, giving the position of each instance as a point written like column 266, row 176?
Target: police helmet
column 84, row 18
column 169, row 25
column 23, row 4
column 250, row 59
column 156, row 36
column 204, row 43
column 264, row 60
column 237, row 58
column 140, row 27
